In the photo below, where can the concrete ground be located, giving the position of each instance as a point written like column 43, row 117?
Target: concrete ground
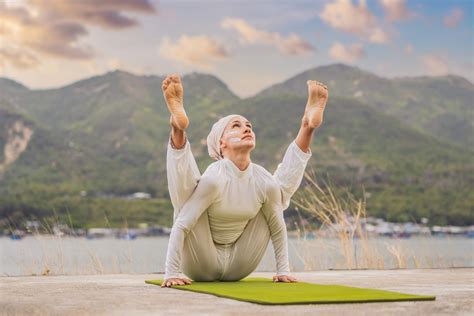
column 127, row 294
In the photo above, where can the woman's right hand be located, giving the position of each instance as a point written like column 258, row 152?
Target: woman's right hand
column 176, row 281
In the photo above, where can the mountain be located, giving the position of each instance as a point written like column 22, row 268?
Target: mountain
column 106, row 136
column 438, row 106
column 358, row 145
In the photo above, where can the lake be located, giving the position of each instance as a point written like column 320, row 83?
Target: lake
column 46, row 254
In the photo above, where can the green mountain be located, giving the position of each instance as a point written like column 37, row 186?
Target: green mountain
column 402, row 169
column 107, row 135
column 438, row 106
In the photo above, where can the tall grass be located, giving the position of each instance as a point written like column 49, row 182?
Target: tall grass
column 341, row 215
column 338, row 220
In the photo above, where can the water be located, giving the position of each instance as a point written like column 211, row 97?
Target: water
column 67, row 255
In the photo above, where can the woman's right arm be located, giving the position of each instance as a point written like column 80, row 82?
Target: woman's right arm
column 203, row 196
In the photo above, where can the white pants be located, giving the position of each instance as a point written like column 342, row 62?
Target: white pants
column 202, row 259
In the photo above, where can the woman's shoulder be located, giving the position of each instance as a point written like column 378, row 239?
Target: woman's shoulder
column 271, row 188
column 213, row 167
column 263, row 174
column 261, row 171
column 214, row 171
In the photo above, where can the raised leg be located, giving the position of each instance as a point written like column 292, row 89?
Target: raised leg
column 173, row 94
column 290, row 171
column 178, row 136
column 313, row 114
column 305, row 136
column 182, row 173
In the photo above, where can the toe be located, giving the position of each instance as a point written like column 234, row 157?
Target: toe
column 175, row 78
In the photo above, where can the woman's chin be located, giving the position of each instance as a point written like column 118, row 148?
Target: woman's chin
column 250, row 145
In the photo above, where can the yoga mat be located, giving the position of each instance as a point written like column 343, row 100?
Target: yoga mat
column 265, row 291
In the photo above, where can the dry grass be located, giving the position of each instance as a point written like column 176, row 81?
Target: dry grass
column 343, row 216
column 341, row 242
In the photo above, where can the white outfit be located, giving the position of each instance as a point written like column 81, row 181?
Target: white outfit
column 224, row 219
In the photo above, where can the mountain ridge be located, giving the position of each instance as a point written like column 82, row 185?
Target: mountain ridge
column 109, row 134
column 321, row 67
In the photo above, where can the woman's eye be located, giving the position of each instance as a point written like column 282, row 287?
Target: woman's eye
column 235, row 125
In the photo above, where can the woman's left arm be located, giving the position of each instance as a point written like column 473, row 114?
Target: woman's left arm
column 273, row 212
column 290, row 171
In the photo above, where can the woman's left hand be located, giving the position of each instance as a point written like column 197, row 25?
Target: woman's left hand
column 284, row 278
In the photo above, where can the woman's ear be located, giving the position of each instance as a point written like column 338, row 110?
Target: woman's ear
column 222, row 145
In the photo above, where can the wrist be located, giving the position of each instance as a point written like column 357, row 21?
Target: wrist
column 283, row 273
column 172, row 276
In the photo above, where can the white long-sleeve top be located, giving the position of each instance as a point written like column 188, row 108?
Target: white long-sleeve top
column 232, row 197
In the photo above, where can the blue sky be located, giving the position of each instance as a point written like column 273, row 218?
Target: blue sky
column 248, row 44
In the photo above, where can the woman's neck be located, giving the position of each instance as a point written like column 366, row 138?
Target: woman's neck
column 240, row 159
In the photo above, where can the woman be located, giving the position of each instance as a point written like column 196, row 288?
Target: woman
column 224, row 219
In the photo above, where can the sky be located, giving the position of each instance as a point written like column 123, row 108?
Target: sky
column 249, row 45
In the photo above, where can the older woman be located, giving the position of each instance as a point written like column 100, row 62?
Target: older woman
column 224, row 219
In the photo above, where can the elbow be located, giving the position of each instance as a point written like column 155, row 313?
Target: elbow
column 285, row 203
column 180, row 225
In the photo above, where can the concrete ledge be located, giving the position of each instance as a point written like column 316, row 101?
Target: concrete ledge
column 127, row 294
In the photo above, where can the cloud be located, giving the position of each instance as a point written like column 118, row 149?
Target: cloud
column 408, row 49
column 439, row 65
column 103, row 13
column 348, row 54
column 453, row 18
column 435, row 65
column 356, row 20
column 194, row 50
column 19, row 59
column 396, row 10
column 25, row 34
column 290, row 45
column 56, row 28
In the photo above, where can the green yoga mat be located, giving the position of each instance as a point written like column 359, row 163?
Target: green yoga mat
column 265, row 291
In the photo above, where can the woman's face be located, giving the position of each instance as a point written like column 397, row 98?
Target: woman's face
column 238, row 134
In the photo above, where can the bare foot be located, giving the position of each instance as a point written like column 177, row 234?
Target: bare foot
column 317, row 99
column 173, row 93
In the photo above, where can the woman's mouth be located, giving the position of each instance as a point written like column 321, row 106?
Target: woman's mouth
column 248, row 136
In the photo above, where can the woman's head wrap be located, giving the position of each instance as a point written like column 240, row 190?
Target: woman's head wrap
column 214, row 137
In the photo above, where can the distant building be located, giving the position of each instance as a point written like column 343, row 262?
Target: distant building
column 99, row 232
column 140, row 195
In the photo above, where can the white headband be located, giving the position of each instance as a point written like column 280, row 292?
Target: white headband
column 214, row 137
